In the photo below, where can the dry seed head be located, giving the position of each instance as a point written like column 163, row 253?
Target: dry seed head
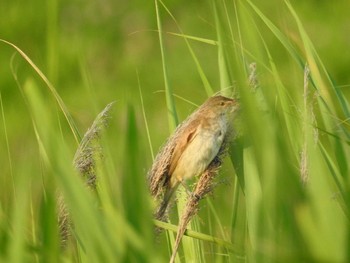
column 84, row 162
column 203, row 187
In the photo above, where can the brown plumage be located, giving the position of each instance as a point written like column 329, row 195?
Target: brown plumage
column 190, row 150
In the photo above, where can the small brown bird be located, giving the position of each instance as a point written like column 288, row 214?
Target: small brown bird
column 190, row 150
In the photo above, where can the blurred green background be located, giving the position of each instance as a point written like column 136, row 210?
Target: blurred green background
column 91, row 52
column 95, row 52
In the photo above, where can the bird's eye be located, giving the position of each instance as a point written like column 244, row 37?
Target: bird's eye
column 222, row 103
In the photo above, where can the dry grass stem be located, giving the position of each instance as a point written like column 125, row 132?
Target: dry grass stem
column 89, row 149
column 204, row 186
column 304, row 171
column 253, row 81
column 85, row 163
column 158, row 176
column 161, row 184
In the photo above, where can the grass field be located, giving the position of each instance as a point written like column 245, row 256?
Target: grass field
column 283, row 192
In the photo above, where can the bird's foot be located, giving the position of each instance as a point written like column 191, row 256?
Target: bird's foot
column 189, row 192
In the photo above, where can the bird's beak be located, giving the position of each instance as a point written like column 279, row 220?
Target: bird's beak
column 234, row 105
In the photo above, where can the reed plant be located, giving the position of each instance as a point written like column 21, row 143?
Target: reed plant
column 283, row 191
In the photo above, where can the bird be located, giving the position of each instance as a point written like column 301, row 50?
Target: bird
column 190, row 150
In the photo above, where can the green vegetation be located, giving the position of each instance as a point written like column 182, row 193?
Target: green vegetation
column 283, row 193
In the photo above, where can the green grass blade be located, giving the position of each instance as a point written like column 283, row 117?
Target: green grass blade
column 172, row 115
column 144, row 118
column 203, row 77
column 7, row 144
column 57, row 97
column 280, row 36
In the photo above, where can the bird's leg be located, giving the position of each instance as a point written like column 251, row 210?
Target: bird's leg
column 188, row 190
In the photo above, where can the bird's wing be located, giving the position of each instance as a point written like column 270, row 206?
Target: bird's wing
column 183, row 141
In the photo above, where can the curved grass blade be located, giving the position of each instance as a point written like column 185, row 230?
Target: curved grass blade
column 52, row 89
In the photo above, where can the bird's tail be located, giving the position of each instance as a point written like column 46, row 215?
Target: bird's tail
column 161, row 213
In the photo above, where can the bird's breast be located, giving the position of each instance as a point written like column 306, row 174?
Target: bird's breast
column 200, row 151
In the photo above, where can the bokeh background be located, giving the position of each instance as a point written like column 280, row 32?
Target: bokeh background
column 96, row 52
column 91, row 50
